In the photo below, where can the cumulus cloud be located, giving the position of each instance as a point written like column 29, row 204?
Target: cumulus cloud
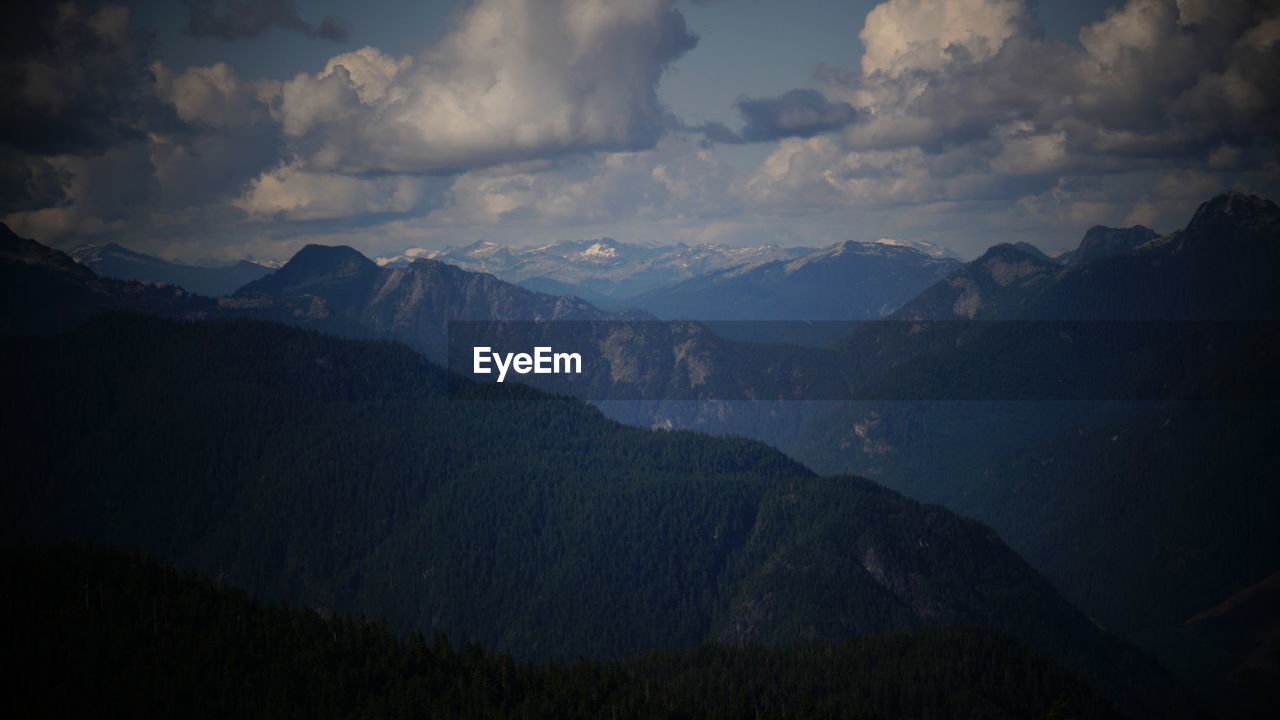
column 515, row 80
column 545, row 114
column 294, row 193
column 100, row 139
column 904, row 37
column 239, row 19
column 967, row 101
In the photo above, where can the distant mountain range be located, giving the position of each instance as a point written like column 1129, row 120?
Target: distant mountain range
column 601, row 268
column 114, row 261
column 663, row 279
column 848, row 281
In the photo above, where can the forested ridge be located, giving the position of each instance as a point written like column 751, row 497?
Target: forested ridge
column 92, row 632
column 355, row 477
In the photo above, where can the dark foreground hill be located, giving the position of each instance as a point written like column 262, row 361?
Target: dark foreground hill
column 342, row 475
column 102, row 634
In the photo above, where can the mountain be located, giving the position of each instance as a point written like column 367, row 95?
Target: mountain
column 928, row 248
column 114, row 261
column 1147, row 514
column 847, row 281
column 1101, row 241
column 993, row 287
column 352, row 476
column 151, row 641
column 1220, row 267
column 480, row 256
column 43, row 290
column 412, row 303
column 1031, row 250
column 604, row 267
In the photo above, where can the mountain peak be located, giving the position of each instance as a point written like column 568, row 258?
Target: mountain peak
column 924, row 246
column 1013, row 252
column 1101, row 241
column 1231, row 212
column 317, row 269
column 328, row 254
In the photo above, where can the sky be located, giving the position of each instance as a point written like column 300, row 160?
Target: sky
column 214, row 129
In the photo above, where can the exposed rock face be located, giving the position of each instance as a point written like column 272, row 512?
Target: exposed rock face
column 989, row 288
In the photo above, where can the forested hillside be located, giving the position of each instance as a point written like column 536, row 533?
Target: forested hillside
column 341, row 475
column 103, row 634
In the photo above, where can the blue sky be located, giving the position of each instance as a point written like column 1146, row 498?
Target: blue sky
column 214, row 129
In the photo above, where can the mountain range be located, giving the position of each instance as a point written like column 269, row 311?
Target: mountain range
column 849, row 281
column 114, row 261
column 1148, row 516
column 1145, row 514
column 604, row 268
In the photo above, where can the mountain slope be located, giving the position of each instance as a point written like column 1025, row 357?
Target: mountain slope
column 43, row 290
column 1143, row 513
column 148, row 641
column 338, row 474
column 996, row 286
column 412, row 303
column 118, row 262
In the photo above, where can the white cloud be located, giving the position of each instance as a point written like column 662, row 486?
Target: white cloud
column 966, row 101
column 293, row 193
column 517, row 79
column 907, row 35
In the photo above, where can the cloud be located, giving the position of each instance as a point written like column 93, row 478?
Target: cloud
column 903, row 37
column 293, row 193
column 214, row 96
column 967, row 101
column 796, row 113
column 76, row 79
column 515, row 80
column 673, row 180
column 960, row 118
column 240, row 19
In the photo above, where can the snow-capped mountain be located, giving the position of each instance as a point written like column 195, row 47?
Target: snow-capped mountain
column 599, row 268
column 846, row 281
column 924, row 246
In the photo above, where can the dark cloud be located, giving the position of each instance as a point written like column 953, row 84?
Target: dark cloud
column 796, row 113
column 77, row 80
column 29, row 183
column 239, row 19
